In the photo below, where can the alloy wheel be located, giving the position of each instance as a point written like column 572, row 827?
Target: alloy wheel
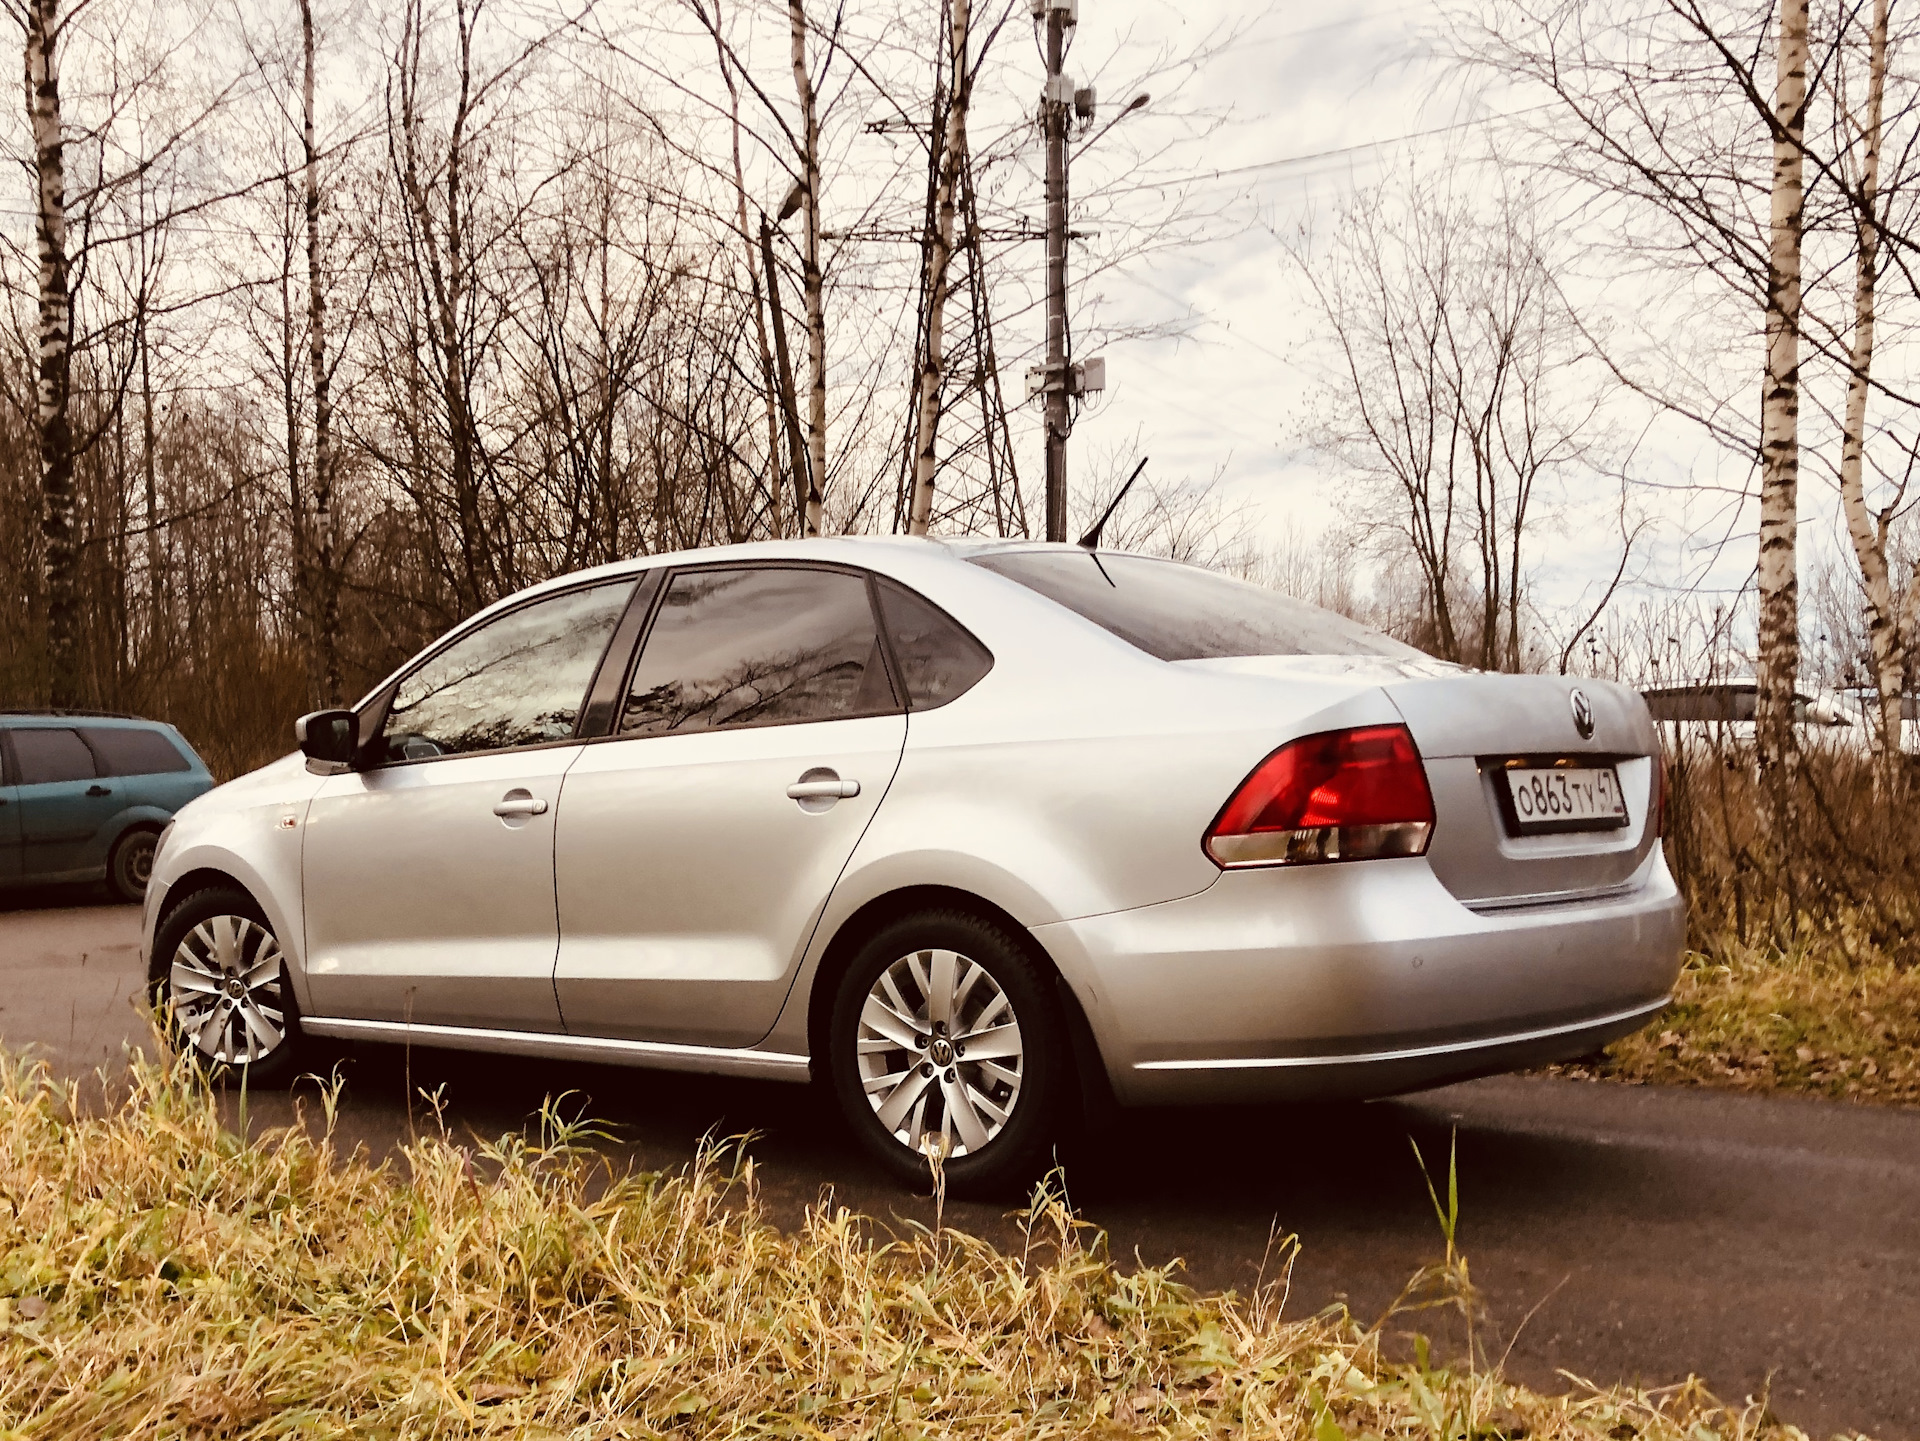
column 227, row 984
column 940, row 1054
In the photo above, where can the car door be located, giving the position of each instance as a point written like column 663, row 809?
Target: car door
column 428, row 873
column 698, row 845
column 9, row 818
column 64, row 801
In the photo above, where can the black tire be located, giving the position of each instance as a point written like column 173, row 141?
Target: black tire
column 130, row 864
column 215, row 933
column 1019, row 1149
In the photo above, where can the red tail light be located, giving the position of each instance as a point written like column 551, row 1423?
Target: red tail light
column 1342, row 796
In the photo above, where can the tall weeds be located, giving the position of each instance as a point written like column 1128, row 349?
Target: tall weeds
column 1846, row 886
column 159, row 1276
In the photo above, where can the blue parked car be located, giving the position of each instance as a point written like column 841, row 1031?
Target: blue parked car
column 84, row 796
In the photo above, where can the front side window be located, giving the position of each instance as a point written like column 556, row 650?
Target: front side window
column 518, row 680
column 756, row 646
column 47, row 755
column 1180, row 612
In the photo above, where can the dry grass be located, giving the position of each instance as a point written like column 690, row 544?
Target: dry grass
column 159, row 1277
column 1809, row 1020
column 1805, row 969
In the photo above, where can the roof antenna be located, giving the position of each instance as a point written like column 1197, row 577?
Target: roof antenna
column 1091, row 540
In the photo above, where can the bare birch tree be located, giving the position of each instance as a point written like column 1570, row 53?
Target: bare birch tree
column 1779, row 639
column 322, row 581
column 948, row 161
column 42, row 25
column 812, row 278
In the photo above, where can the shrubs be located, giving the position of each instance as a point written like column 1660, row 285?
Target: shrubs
column 158, row 1276
column 1845, row 885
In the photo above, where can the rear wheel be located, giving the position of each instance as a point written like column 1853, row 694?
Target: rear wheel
column 130, row 866
column 947, row 1041
column 221, row 979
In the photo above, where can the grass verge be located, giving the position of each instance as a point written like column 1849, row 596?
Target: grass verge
column 161, row 1277
column 1809, row 1021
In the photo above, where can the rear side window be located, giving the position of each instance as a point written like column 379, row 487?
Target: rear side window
column 938, row 660
column 1705, row 703
column 757, row 646
column 1180, row 612
column 46, row 754
column 134, row 752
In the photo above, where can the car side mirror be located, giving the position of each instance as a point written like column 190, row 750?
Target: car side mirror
column 329, row 739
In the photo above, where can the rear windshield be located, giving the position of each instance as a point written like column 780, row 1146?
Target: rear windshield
column 1180, row 612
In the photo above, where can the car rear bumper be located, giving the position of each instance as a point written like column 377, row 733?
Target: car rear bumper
column 1361, row 980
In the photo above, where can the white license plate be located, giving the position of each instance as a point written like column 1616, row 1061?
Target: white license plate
column 1565, row 798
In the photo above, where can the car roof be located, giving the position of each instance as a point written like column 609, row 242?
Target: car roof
column 14, row 713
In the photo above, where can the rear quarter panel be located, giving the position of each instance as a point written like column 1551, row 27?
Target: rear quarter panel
column 1078, row 778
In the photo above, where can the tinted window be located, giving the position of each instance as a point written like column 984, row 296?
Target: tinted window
column 51, row 755
column 134, row 752
column 518, row 680
column 757, row 646
column 1180, row 612
column 1705, row 703
column 938, row 660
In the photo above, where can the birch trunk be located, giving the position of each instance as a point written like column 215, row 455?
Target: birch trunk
column 54, row 333
column 1869, row 542
column 323, row 569
column 953, row 154
column 747, row 239
column 1780, row 439
column 811, row 282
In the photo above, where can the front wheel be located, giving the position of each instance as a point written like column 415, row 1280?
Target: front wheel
column 947, row 1044
column 220, row 979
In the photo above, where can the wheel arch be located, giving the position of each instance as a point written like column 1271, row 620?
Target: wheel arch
column 1095, row 1089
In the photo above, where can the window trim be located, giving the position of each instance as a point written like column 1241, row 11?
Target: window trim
column 377, row 706
column 901, row 702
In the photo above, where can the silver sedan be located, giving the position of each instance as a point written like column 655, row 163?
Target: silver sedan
column 978, row 834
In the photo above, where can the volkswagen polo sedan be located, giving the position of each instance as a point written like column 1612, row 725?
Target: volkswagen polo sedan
column 977, row 834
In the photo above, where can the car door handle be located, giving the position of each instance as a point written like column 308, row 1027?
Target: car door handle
column 98, row 791
column 836, row 790
column 520, row 806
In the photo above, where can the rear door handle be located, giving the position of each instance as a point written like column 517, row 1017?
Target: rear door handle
column 520, row 806
column 98, row 791
column 823, row 790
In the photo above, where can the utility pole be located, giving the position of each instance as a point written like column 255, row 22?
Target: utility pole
column 1059, row 380
column 1056, row 103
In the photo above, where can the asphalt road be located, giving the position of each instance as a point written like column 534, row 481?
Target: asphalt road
column 1625, row 1234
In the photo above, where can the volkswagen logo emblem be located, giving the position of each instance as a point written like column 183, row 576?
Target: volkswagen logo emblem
column 1582, row 715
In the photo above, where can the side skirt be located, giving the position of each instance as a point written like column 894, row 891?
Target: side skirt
column 657, row 1055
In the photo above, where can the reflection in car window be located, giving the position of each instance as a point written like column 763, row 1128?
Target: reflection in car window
column 46, row 755
column 938, row 660
column 1180, row 612
column 518, row 680
column 758, row 646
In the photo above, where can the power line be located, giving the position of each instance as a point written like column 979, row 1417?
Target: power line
column 1287, row 161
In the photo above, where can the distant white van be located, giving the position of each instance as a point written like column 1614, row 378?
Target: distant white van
column 1718, row 717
